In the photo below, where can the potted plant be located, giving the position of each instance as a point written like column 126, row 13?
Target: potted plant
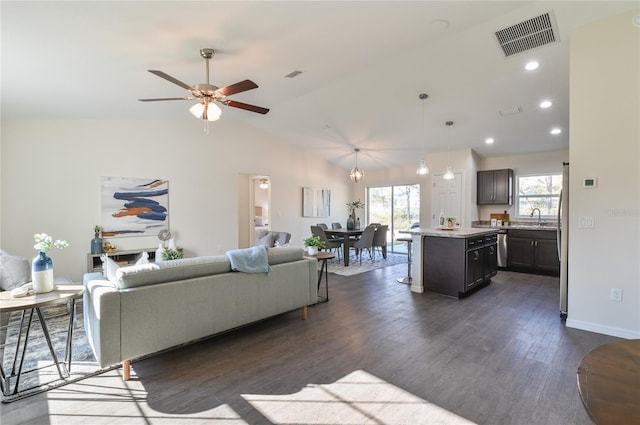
column 313, row 243
column 171, row 254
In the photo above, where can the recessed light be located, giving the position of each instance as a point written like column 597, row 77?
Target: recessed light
column 489, row 140
column 531, row 66
column 556, row 131
column 545, row 103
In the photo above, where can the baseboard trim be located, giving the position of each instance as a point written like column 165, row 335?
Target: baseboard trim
column 601, row 329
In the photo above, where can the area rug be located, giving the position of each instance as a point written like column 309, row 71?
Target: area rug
column 355, row 267
column 43, row 373
column 358, row 398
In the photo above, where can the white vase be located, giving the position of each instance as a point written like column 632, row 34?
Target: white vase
column 42, row 273
column 312, row 250
column 159, row 252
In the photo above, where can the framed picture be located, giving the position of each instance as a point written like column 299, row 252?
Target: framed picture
column 316, row 202
column 134, row 206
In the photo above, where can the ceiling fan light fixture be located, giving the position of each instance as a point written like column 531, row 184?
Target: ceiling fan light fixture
column 213, row 112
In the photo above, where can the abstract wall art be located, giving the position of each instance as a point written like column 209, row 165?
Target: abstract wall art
column 134, row 206
column 316, row 202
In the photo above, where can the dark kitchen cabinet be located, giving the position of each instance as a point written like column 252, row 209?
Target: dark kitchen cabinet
column 455, row 266
column 533, row 251
column 495, row 187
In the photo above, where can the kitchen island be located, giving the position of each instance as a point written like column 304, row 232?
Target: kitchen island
column 452, row 262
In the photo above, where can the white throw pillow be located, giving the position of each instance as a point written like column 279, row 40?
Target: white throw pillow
column 14, row 271
column 144, row 259
column 109, row 268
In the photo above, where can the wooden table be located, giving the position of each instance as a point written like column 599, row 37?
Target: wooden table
column 323, row 256
column 32, row 303
column 609, row 383
column 346, row 240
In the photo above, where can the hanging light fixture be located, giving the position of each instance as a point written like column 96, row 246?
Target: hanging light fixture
column 448, row 175
column 264, row 184
column 356, row 174
column 207, row 110
column 422, row 168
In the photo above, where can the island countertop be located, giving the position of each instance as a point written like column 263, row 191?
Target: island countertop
column 464, row 232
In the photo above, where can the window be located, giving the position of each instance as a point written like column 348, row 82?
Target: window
column 542, row 191
column 397, row 206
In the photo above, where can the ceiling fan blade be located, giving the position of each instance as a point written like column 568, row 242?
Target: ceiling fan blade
column 165, row 98
column 246, row 106
column 170, row 78
column 237, row 88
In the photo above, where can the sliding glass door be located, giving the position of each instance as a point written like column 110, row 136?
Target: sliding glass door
column 397, row 206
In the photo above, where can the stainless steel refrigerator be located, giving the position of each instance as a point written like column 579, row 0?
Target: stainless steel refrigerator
column 563, row 239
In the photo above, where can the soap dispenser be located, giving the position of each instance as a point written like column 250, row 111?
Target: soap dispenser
column 441, row 218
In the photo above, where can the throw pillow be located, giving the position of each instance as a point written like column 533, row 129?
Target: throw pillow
column 16, row 271
column 144, row 259
column 110, row 268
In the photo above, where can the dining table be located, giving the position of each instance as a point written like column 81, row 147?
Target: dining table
column 346, row 235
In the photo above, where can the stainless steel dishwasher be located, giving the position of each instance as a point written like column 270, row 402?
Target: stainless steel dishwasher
column 502, row 248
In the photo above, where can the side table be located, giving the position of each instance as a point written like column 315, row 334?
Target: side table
column 33, row 303
column 323, row 256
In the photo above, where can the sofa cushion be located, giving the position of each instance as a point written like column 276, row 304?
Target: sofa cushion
column 167, row 271
column 284, row 255
column 16, row 271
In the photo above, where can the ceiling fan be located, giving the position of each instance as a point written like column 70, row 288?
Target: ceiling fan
column 209, row 94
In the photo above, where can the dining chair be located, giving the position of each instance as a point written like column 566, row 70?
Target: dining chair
column 365, row 242
column 380, row 240
column 329, row 243
column 324, row 226
column 336, row 226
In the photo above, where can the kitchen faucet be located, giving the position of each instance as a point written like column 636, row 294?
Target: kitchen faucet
column 534, row 210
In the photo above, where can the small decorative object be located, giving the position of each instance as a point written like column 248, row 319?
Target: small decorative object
column 108, row 247
column 42, row 265
column 451, row 221
column 159, row 252
column 171, row 254
column 313, row 243
column 352, row 206
column 96, row 242
column 172, row 244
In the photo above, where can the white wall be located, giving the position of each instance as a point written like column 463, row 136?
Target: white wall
column 51, row 182
column 605, row 135
column 533, row 163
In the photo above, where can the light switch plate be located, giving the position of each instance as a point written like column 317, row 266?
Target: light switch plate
column 585, row 222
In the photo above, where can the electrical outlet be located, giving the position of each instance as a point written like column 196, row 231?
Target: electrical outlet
column 616, row 294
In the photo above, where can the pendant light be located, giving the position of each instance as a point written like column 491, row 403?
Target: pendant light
column 356, row 174
column 448, row 175
column 422, row 168
column 264, row 184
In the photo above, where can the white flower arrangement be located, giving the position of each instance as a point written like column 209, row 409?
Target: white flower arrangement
column 44, row 242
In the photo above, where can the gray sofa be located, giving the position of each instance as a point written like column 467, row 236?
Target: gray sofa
column 152, row 307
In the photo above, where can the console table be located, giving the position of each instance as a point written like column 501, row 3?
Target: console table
column 33, row 303
column 609, row 383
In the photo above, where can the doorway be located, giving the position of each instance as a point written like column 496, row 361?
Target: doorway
column 446, row 198
column 259, row 206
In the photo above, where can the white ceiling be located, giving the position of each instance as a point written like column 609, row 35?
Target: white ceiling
column 363, row 63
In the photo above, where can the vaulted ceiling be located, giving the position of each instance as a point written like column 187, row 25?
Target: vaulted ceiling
column 363, row 66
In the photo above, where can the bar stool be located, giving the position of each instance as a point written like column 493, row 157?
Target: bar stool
column 408, row 278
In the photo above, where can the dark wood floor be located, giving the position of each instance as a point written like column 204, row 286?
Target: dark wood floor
column 500, row 356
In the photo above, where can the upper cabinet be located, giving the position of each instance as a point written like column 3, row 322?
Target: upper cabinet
column 495, row 187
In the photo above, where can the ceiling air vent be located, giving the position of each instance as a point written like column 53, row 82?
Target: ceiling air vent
column 527, row 35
